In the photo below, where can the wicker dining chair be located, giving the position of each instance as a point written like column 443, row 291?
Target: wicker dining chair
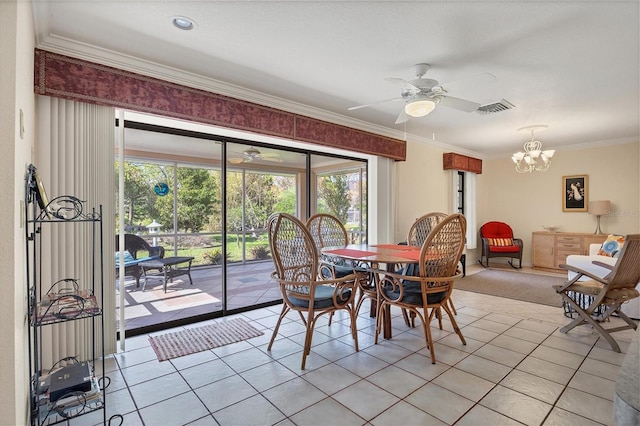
column 295, row 258
column 429, row 285
column 611, row 291
column 422, row 226
column 417, row 235
column 327, row 231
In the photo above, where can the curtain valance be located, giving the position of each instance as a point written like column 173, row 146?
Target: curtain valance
column 80, row 80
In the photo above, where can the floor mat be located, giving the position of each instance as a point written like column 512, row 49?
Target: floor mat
column 191, row 340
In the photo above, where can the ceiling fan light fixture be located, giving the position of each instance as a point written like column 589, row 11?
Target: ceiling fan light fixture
column 419, row 108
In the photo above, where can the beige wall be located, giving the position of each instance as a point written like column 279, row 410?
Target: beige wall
column 525, row 201
column 530, row 201
column 421, row 186
column 16, row 94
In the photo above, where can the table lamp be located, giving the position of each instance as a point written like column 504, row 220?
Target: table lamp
column 599, row 208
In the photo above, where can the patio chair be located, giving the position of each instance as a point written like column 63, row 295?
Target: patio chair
column 430, row 283
column 609, row 292
column 295, row 258
column 327, row 231
column 139, row 251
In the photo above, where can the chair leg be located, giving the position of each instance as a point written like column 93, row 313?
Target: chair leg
column 306, row 350
column 585, row 318
column 354, row 329
column 426, row 327
column 454, row 324
column 285, row 310
column 450, row 302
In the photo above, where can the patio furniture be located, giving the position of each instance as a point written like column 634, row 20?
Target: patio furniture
column 169, row 268
column 136, row 248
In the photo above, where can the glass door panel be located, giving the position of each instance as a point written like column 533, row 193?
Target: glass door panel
column 174, row 201
column 340, row 188
column 259, row 182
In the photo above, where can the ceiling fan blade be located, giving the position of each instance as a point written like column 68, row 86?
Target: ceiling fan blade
column 402, row 117
column 236, row 160
column 474, row 80
column 402, row 83
column 459, row 104
column 374, row 103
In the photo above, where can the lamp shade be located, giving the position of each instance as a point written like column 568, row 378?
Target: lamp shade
column 599, row 208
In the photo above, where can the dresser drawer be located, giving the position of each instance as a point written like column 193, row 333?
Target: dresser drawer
column 568, row 239
column 567, row 245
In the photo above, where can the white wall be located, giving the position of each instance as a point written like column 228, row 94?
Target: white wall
column 16, row 94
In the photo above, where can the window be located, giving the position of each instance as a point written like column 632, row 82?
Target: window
column 460, row 193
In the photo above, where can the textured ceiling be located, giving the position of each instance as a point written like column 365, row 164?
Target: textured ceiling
column 572, row 65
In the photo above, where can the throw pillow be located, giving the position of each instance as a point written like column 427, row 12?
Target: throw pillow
column 500, row 241
column 612, row 246
column 127, row 257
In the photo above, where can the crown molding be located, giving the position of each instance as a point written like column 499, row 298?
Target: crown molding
column 65, row 46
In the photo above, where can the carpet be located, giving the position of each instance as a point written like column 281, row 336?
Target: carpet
column 184, row 342
column 532, row 288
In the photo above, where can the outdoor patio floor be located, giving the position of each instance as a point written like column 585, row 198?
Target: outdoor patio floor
column 247, row 285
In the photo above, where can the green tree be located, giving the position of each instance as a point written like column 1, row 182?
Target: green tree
column 138, row 191
column 335, row 197
column 197, row 198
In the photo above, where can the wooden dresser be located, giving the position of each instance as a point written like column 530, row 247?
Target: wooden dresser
column 550, row 249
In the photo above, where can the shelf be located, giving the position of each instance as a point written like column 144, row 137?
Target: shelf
column 56, row 308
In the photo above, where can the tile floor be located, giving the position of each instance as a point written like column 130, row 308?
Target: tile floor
column 517, row 368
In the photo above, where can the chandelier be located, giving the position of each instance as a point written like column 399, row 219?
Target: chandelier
column 533, row 158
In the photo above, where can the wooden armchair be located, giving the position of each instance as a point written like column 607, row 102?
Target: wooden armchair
column 498, row 241
column 610, row 292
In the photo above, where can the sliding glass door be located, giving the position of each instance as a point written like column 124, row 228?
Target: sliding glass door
column 205, row 197
column 259, row 182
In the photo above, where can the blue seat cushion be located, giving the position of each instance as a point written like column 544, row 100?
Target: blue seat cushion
column 340, row 271
column 413, row 289
column 413, row 294
column 323, row 298
column 129, row 260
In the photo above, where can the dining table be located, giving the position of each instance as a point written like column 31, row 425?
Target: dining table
column 375, row 255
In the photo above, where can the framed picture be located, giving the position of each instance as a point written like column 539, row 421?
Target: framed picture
column 575, row 193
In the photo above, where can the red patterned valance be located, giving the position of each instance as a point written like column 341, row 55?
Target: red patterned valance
column 76, row 79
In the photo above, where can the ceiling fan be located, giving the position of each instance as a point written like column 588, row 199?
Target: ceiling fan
column 421, row 95
column 252, row 154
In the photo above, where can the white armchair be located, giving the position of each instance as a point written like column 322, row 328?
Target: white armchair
column 585, row 262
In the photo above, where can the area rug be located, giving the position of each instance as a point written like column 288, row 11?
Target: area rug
column 179, row 343
column 532, row 288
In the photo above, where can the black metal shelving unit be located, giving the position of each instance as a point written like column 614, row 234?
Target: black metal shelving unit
column 53, row 301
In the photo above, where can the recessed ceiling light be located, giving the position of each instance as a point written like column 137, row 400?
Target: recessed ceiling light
column 183, row 23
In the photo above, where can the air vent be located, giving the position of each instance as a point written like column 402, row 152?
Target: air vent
column 502, row 105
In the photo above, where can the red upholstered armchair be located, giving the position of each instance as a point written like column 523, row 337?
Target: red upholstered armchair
column 497, row 241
